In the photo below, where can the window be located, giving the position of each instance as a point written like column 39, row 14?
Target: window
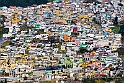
column 85, row 59
column 73, row 44
column 47, row 76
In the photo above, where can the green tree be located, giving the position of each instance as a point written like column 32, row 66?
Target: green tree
column 82, row 50
column 121, row 52
column 22, row 3
column 50, row 0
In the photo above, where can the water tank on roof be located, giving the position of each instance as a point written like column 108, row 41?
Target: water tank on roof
column 31, row 22
column 104, row 34
column 46, row 12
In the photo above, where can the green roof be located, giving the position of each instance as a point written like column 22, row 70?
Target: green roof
column 37, row 26
column 68, row 62
column 25, row 38
column 83, row 45
column 56, row 0
column 108, row 15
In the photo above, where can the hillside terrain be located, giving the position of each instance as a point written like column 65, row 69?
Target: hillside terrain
column 22, row 3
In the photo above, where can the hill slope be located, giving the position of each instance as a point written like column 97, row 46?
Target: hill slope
column 22, row 3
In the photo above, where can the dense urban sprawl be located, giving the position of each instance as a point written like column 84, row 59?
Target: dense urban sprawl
column 68, row 39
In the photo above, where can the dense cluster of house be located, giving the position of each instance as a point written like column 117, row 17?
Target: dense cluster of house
column 63, row 39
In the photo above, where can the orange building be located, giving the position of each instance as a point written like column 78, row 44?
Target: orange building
column 65, row 37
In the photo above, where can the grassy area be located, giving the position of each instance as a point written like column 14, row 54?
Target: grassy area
column 122, row 57
column 1, row 34
column 39, row 82
column 48, row 82
column 116, row 29
column 61, row 52
column 5, row 43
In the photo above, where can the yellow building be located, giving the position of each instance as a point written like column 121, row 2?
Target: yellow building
column 83, row 17
column 2, row 50
column 62, row 47
column 114, row 48
column 54, row 63
column 62, row 20
column 46, row 58
column 12, row 65
column 15, row 18
column 89, row 19
column 19, row 12
column 90, row 74
column 84, row 64
column 108, row 30
column 66, row 1
column 57, row 12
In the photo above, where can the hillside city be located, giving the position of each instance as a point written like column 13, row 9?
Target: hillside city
column 62, row 40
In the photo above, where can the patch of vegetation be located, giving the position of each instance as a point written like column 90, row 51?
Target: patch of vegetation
column 122, row 22
column 59, row 46
column 61, row 52
column 83, row 50
column 5, row 43
column 74, row 34
column 116, row 29
column 1, row 34
column 22, row 3
column 121, row 52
